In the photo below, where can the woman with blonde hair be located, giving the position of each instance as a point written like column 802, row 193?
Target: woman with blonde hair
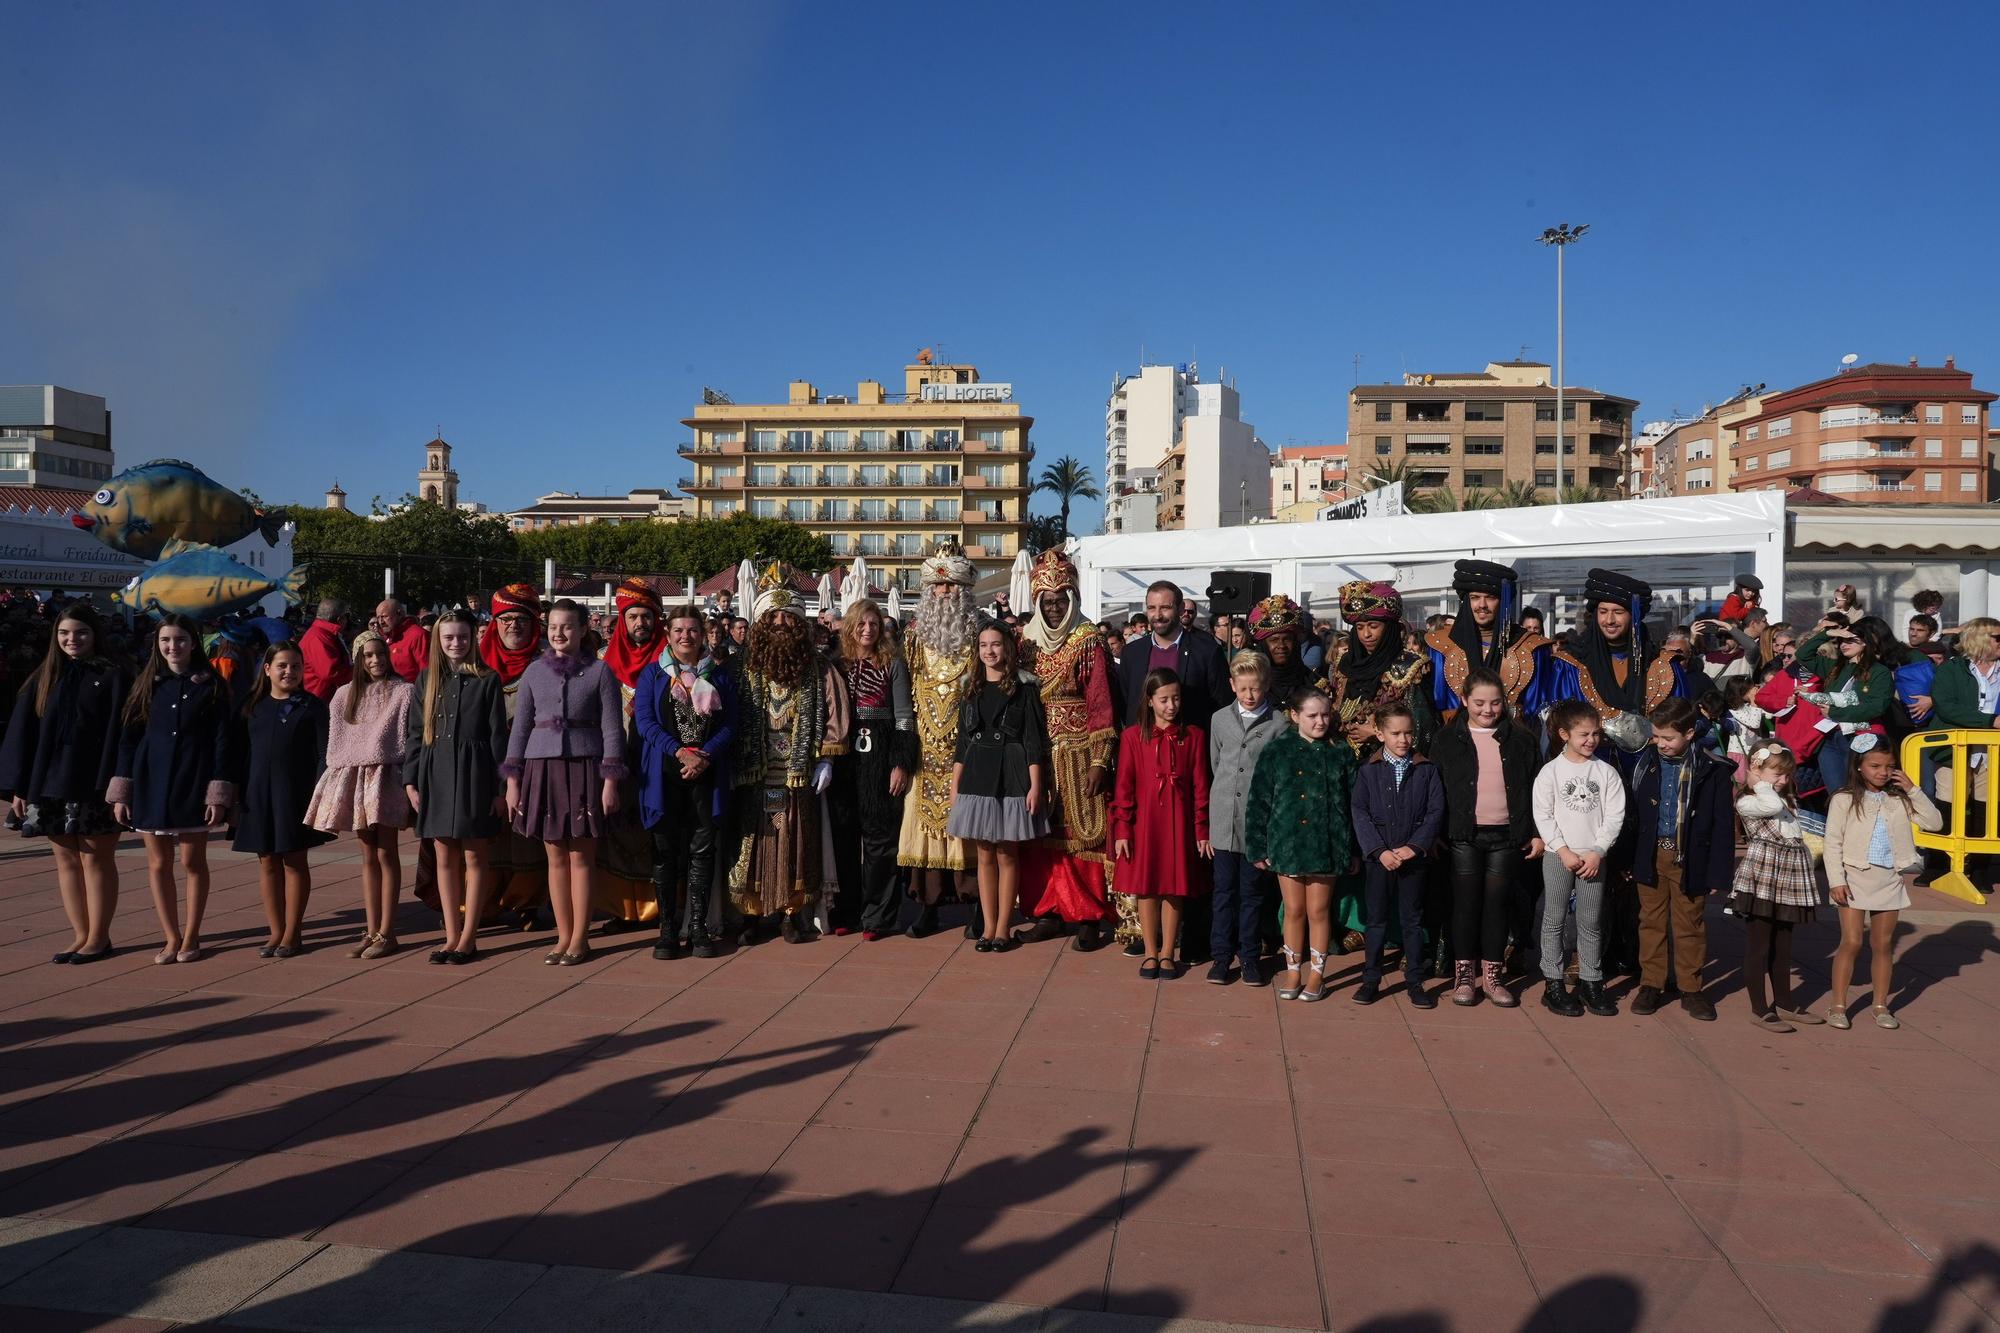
column 452, row 753
column 866, row 798
column 361, row 788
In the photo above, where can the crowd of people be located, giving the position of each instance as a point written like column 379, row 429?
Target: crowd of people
column 1470, row 798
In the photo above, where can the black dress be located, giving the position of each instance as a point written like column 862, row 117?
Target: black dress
column 284, row 750
column 458, row 774
column 61, row 762
column 178, row 763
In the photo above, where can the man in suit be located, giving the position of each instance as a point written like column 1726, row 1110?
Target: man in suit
column 1195, row 657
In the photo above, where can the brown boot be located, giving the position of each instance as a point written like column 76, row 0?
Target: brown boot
column 1489, row 974
column 1462, row 989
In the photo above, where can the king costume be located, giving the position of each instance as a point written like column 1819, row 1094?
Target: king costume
column 938, row 646
column 1484, row 634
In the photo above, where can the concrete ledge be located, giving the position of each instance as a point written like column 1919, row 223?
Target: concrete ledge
column 156, row 1274
column 347, row 1287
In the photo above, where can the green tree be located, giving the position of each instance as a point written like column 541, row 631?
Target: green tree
column 1518, row 495
column 1067, row 480
column 700, row 547
column 1573, row 494
column 1045, row 532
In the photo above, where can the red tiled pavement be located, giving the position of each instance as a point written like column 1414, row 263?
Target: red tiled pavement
column 1039, row 1127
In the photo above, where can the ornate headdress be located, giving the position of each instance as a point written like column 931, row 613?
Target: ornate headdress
column 947, row 564
column 517, row 597
column 775, row 591
column 1609, row 585
column 635, row 591
column 1364, row 599
column 1276, row 614
column 1053, row 572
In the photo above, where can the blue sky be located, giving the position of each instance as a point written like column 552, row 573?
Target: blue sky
column 290, row 241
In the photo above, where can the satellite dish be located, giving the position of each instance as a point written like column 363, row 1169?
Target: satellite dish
column 1849, row 359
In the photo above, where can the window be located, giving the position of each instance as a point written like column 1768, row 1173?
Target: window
column 874, row 474
column 871, row 543
column 1968, row 448
column 909, row 543
column 1485, row 444
column 944, row 474
column 834, row 476
column 995, row 438
column 1547, row 411
column 1545, row 479
column 836, row 511
column 874, row 511
column 763, row 474
column 1750, row 432
column 833, row 441
column 799, row 474
column 1750, row 465
column 1547, row 445
column 874, row 441
column 993, row 474
column 1934, row 414
column 841, row 543
column 764, row 441
column 799, row 511
column 909, row 474
column 1933, row 481
column 722, row 508
column 909, row 439
column 724, row 437
column 1382, row 446
column 725, row 472
column 764, row 508
column 1779, row 429
column 798, row 441
column 1486, row 411
column 1779, row 458
column 1968, row 481
column 1383, row 411
column 945, row 440
column 1968, row 414
column 909, row 511
column 1933, row 448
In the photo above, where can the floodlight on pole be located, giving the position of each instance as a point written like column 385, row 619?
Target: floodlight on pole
column 1561, row 236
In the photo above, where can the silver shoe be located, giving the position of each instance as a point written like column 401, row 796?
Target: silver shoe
column 1885, row 1019
column 1836, row 1018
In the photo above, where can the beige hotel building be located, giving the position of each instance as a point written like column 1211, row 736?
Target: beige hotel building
column 882, row 475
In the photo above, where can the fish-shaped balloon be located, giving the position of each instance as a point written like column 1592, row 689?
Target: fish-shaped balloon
column 143, row 508
column 195, row 580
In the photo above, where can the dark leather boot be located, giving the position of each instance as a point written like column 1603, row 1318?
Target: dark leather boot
column 1595, row 1000
column 666, row 896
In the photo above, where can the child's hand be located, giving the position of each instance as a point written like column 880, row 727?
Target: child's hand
column 1261, row 865
column 1571, row 861
column 1590, row 865
column 1535, row 848
column 1899, row 780
column 416, row 799
column 1206, row 848
column 1389, row 858
column 1122, row 850
column 1840, row 895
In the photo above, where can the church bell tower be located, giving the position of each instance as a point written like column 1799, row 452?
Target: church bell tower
column 438, row 482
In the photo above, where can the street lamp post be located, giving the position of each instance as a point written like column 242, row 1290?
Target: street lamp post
column 1561, row 236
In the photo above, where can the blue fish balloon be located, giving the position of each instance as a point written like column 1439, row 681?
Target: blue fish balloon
column 200, row 581
column 143, row 508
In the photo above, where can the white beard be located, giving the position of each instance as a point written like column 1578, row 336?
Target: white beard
column 947, row 625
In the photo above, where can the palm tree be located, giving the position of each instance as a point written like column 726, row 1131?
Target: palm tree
column 1518, row 495
column 1068, row 480
column 1582, row 495
column 1442, row 500
column 1478, row 497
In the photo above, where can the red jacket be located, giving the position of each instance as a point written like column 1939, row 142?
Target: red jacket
column 1161, row 807
column 409, row 650
column 327, row 663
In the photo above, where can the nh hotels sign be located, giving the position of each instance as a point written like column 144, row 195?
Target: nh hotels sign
column 966, row 393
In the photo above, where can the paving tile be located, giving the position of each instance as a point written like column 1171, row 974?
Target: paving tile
column 158, row 1274
column 555, row 1140
column 1077, row 1174
column 115, row 1182
column 1933, row 1164
column 1390, row 1283
column 1418, row 1202
column 1940, row 1227
column 1030, row 1258
column 391, row 1128
column 1381, row 1134
column 1160, row 1268
column 928, row 1054
column 826, row 1310
column 1545, row 1091
column 1221, row 1124
column 1812, row 1298
column 31, row 1242
column 447, row 1212
column 21, row 1158
column 1589, row 1293
column 346, row 1062
column 1215, row 1188
column 1028, row 1113
column 833, row 1159
column 1726, row 1154
column 1590, row 1146
column 249, row 1117
column 1245, row 1074
column 1602, row 1214
column 865, row 1101
column 276, row 1194
column 638, row 1301
column 1835, row 1231
column 1395, row 1084
column 22, row 1319
column 707, row 1150
column 344, row 1287
column 857, row 1241
column 630, row 1225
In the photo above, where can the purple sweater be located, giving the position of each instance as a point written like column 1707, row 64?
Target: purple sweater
column 567, row 708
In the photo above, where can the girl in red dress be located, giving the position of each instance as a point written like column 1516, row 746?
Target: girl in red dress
column 1159, row 819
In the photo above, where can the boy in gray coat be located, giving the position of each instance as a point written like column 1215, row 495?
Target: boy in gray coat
column 1237, row 734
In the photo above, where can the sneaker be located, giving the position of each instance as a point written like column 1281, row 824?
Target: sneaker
column 1698, row 1007
column 1646, row 1001
column 1368, row 992
column 1252, row 973
column 1218, row 974
column 1414, row 992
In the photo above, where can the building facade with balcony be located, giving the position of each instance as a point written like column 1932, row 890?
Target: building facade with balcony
column 1878, row 433
column 567, row 509
column 1218, row 473
column 1305, row 477
column 1142, row 421
column 883, row 475
column 1489, row 430
column 52, row 436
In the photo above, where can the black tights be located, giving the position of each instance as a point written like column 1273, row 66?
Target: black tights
column 1482, row 881
column 1767, row 956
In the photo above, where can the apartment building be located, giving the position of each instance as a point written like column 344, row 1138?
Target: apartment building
column 1305, row 478
column 567, row 509
column 1695, row 455
column 878, row 474
column 1490, row 429
column 1142, row 420
column 1876, row 433
column 1218, row 473
column 52, row 436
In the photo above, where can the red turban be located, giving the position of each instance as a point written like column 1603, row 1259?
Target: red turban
column 626, row 658
column 511, row 662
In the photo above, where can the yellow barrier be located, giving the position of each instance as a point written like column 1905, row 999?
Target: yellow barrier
column 1962, row 744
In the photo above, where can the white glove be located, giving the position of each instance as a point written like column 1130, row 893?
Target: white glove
column 822, row 776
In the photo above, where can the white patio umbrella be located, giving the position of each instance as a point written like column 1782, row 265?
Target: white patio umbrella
column 1018, row 594
column 855, row 587
column 826, row 591
column 746, row 588
column 896, row 603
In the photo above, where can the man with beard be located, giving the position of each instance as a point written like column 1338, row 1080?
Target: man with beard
column 1066, row 654
column 1483, row 634
column 1375, row 664
column 685, row 710
column 1276, row 623
column 939, row 649
column 511, row 640
column 627, row 866
column 792, row 720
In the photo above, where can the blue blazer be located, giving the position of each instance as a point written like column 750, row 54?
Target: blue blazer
column 653, row 715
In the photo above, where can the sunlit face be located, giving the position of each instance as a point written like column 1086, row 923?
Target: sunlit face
column 1398, row 736
column 1281, row 649
column 993, row 648
column 1484, row 706
column 1249, row 691
column 1532, row 624
column 1054, row 606
column 1582, row 738
column 390, row 614
column 1163, row 613
column 373, row 660
column 641, row 623
column 685, row 639
column 1166, row 704
column 176, row 648
column 1671, row 743
column 1313, row 718
column 1771, row 773
column 1785, row 646
column 283, row 668
column 939, row 591
column 1485, row 608
column 1368, row 633
column 75, row 639
column 455, row 641
column 1875, row 767
column 1614, row 622
column 517, row 630
column 565, row 631
column 1920, row 634
column 1239, row 637
column 868, row 631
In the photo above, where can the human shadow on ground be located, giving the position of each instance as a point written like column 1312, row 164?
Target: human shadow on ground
column 1940, row 956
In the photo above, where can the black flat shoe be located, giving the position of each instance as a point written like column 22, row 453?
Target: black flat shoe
column 440, row 956
column 983, row 946
column 1149, row 970
column 460, row 957
column 1135, row 950
column 66, row 957
column 1007, row 945
column 268, row 951
column 79, row 959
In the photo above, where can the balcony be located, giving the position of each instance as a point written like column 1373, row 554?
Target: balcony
column 688, row 448
column 717, row 484
column 982, row 516
column 1848, row 451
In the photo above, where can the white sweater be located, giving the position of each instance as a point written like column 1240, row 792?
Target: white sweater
column 1579, row 806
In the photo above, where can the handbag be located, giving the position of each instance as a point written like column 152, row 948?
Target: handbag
column 1795, row 721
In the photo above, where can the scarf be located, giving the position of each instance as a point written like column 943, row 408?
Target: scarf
column 693, row 686
column 1591, row 649
column 1047, row 638
column 1465, row 633
column 508, row 662
column 626, row 658
column 1362, row 669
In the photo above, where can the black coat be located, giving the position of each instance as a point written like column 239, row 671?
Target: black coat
column 178, row 763
column 282, row 757
column 1202, row 668
column 458, row 774
column 1386, row 817
column 1458, row 765
column 997, row 744
column 70, row 752
column 1708, row 839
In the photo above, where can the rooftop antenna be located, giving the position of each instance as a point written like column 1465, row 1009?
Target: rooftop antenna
column 1524, row 351
column 1357, row 370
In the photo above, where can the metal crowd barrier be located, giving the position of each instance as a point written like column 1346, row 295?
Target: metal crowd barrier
column 1927, row 750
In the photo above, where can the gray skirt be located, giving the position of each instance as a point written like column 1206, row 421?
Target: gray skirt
column 994, row 819
column 560, row 798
